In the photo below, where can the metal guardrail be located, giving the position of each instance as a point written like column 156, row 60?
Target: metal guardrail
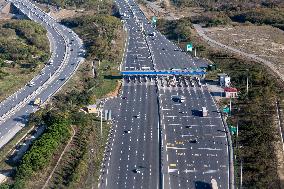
column 41, row 88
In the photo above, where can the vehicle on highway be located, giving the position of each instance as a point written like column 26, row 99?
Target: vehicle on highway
column 124, row 97
column 50, row 62
column 176, row 98
column 127, row 131
column 137, row 170
column 30, row 84
column 37, row 102
column 182, row 99
column 214, row 184
column 152, row 34
column 204, row 112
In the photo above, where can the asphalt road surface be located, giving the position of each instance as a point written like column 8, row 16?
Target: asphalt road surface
column 132, row 154
column 67, row 53
column 195, row 147
column 157, row 142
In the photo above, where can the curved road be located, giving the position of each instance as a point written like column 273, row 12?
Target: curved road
column 67, row 53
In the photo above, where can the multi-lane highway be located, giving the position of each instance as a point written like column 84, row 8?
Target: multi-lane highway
column 157, row 142
column 195, row 147
column 133, row 149
column 67, row 53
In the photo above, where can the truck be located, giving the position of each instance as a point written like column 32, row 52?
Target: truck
column 214, row 184
column 37, row 102
column 204, row 112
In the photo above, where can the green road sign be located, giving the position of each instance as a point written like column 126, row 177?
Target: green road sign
column 189, row 47
column 226, row 110
column 233, row 129
column 154, row 19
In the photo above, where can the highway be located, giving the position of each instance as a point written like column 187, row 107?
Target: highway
column 134, row 141
column 195, row 147
column 169, row 141
column 67, row 53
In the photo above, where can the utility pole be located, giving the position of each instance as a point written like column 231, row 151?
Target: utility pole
column 101, row 122
column 241, row 176
column 247, row 82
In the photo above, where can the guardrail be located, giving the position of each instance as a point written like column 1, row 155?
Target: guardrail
column 26, row 100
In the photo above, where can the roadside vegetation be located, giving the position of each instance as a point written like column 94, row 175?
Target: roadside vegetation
column 104, row 5
column 254, row 112
column 273, row 17
column 24, row 47
column 104, row 41
column 223, row 12
column 177, row 30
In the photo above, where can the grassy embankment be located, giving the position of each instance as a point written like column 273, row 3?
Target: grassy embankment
column 254, row 112
column 24, row 47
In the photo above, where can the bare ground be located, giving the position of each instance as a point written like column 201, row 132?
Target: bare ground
column 264, row 41
column 168, row 11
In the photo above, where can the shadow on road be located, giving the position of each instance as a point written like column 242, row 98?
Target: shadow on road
column 196, row 113
column 22, row 119
column 202, row 185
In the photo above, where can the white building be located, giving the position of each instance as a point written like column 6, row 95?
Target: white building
column 224, row 80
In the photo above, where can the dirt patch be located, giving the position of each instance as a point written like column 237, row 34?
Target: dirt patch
column 62, row 14
column 168, row 11
column 59, row 13
column 264, row 41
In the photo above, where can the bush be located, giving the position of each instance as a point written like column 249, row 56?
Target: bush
column 24, row 43
column 175, row 29
column 274, row 17
column 97, row 32
column 42, row 150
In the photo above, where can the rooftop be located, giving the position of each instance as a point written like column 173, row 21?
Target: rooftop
column 230, row 89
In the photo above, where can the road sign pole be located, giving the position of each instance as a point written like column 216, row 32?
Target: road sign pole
column 109, row 115
column 230, row 105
